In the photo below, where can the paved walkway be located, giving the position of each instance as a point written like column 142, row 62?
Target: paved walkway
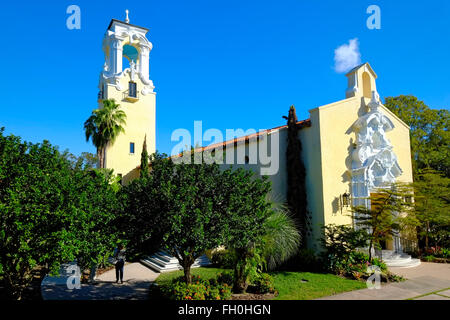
column 429, row 281
column 137, row 279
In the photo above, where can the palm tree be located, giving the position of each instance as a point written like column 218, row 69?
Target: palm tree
column 281, row 239
column 103, row 127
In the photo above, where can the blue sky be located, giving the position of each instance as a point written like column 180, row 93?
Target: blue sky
column 231, row 64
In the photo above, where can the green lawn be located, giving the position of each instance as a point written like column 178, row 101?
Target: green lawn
column 204, row 273
column 290, row 285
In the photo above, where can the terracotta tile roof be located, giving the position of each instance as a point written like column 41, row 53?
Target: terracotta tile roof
column 301, row 124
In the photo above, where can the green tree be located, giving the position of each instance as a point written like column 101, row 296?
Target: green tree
column 432, row 207
column 104, row 126
column 186, row 205
column 248, row 210
column 430, row 136
column 51, row 211
column 296, row 175
column 141, row 221
column 91, row 225
column 388, row 212
column 89, row 160
column 144, row 159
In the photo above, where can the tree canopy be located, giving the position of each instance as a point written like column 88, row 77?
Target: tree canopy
column 430, row 136
column 190, row 208
column 52, row 210
column 432, row 208
column 104, row 126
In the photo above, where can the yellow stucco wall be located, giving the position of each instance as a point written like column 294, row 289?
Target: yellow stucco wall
column 327, row 156
column 336, row 139
column 141, row 122
column 336, row 145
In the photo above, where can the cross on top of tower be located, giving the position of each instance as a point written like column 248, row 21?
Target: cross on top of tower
column 127, row 20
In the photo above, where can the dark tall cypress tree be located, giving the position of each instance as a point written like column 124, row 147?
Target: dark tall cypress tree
column 144, row 159
column 296, row 194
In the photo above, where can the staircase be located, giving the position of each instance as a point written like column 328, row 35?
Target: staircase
column 161, row 261
column 399, row 259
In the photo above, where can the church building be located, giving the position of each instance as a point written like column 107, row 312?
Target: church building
column 350, row 148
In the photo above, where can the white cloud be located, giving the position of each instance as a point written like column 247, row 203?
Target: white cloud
column 347, row 56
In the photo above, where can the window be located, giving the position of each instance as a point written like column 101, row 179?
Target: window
column 132, row 147
column 132, row 89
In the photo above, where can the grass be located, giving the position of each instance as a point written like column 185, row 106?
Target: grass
column 290, row 285
column 204, row 273
column 307, row 286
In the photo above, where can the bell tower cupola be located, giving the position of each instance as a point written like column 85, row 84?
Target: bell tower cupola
column 361, row 81
column 124, row 40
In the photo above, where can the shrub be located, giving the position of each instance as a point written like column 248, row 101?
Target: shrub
column 444, row 253
column 226, row 277
column 263, row 284
column 224, row 291
column 199, row 289
column 377, row 262
column 281, row 239
column 340, row 244
column 223, row 259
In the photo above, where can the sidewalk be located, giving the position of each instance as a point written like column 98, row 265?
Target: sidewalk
column 429, row 281
column 137, row 280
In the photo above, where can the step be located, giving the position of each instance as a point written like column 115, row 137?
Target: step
column 162, row 262
column 412, row 262
column 397, row 261
column 158, row 268
column 165, row 258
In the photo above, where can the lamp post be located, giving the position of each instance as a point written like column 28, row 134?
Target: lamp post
column 345, row 200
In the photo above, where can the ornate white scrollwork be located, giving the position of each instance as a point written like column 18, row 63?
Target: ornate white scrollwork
column 113, row 47
column 374, row 163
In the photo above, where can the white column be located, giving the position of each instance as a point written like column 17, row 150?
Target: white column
column 144, row 62
column 116, row 55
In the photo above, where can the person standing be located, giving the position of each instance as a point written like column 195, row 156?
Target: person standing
column 119, row 255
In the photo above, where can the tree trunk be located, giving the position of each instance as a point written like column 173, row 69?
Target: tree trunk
column 92, row 272
column 240, row 284
column 100, row 157
column 371, row 244
column 240, row 281
column 187, row 263
column 426, row 235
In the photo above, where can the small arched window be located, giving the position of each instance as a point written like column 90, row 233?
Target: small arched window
column 367, row 85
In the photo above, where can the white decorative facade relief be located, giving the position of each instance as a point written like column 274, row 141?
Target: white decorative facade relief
column 374, row 163
column 118, row 36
